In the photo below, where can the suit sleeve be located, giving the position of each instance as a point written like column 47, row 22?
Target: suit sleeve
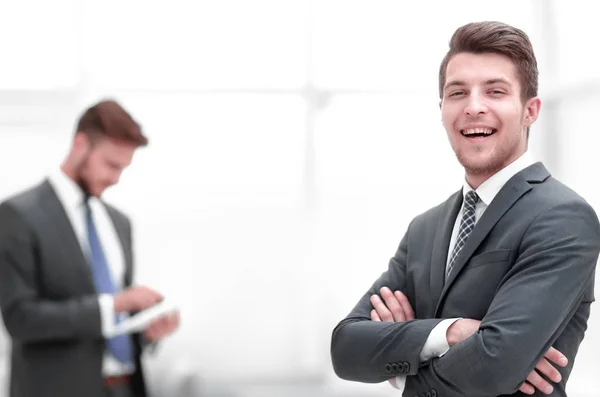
column 369, row 351
column 540, row 296
column 28, row 316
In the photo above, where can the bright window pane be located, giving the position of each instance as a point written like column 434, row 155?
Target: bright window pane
column 577, row 29
column 579, row 165
column 39, row 44
column 382, row 160
column 196, row 45
column 372, row 44
column 217, row 203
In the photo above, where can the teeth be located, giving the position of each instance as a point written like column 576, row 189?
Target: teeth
column 471, row 131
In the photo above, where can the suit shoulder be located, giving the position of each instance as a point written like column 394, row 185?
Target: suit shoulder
column 16, row 210
column 553, row 193
column 553, row 199
column 436, row 210
column 433, row 214
column 24, row 200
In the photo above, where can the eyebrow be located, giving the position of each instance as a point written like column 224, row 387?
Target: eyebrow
column 460, row 83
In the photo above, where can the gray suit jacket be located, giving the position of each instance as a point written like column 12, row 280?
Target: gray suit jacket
column 527, row 272
column 48, row 299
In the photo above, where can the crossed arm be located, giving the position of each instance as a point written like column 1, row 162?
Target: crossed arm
column 395, row 307
column 539, row 296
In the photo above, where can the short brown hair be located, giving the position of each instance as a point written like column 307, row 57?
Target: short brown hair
column 498, row 38
column 108, row 119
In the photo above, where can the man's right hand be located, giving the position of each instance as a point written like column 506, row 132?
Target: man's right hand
column 463, row 328
column 135, row 299
column 395, row 307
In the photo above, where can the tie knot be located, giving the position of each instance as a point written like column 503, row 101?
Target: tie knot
column 86, row 204
column 471, row 199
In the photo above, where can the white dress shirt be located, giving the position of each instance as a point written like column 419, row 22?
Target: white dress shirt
column 71, row 197
column 437, row 344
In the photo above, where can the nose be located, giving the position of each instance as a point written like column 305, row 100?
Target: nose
column 475, row 106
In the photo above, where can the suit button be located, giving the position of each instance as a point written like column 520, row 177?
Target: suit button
column 433, row 393
column 388, row 368
column 405, row 367
column 394, row 367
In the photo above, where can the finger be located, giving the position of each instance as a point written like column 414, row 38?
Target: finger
column 527, row 388
column 392, row 304
column 155, row 330
column 173, row 323
column 539, row 383
column 548, row 370
column 176, row 320
column 409, row 313
column 150, row 333
column 374, row 315
column 382, row 310
column 153, row 336
column 556, row 357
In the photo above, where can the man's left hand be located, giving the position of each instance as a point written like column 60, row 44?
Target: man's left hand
column 162, row 327
column 395, row 307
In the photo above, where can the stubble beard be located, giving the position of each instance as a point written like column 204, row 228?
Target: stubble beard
column 492, row 164
column 80, row 177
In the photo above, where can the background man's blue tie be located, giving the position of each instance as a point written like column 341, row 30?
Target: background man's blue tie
column 119, row 346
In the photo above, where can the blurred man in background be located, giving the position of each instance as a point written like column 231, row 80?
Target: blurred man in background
column 66, row 271
column 491, row 287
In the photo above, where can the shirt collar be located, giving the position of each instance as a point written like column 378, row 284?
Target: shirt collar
column 69, row 193
column 491, row 186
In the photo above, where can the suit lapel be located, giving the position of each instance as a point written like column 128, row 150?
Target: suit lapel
column 53, row 210
column 122, row 232
column 516, row 187
column 441, row 244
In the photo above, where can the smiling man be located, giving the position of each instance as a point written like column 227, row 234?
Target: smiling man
column 489, row 292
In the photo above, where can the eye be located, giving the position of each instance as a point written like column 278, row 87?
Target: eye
column 497, row 92
column 455, row 94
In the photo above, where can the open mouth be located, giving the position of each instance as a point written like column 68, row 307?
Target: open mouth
column 478, row 132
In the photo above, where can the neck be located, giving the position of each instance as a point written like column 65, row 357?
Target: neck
column 68, row 170
column 475, row 180
column 476, row 177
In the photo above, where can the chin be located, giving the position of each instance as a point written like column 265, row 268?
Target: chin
column 96, row 192
column 480, row 164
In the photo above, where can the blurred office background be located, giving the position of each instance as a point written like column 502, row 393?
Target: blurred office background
column 287, row 140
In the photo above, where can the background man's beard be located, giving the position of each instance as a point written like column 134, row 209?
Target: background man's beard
column 80, row 180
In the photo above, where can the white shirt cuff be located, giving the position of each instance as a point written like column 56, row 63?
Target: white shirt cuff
column 107, row 315
column 399, row 382
column 437, row 344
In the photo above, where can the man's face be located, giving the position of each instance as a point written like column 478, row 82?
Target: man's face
column 483, row 114
column 102, row 164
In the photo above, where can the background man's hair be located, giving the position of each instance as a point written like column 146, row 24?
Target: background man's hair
column 109, row 120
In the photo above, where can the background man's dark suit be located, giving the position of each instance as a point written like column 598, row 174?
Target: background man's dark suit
column 527, row 271
column 49, row 302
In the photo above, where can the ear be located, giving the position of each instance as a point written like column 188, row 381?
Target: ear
column 532, row 110
column 81, row 144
